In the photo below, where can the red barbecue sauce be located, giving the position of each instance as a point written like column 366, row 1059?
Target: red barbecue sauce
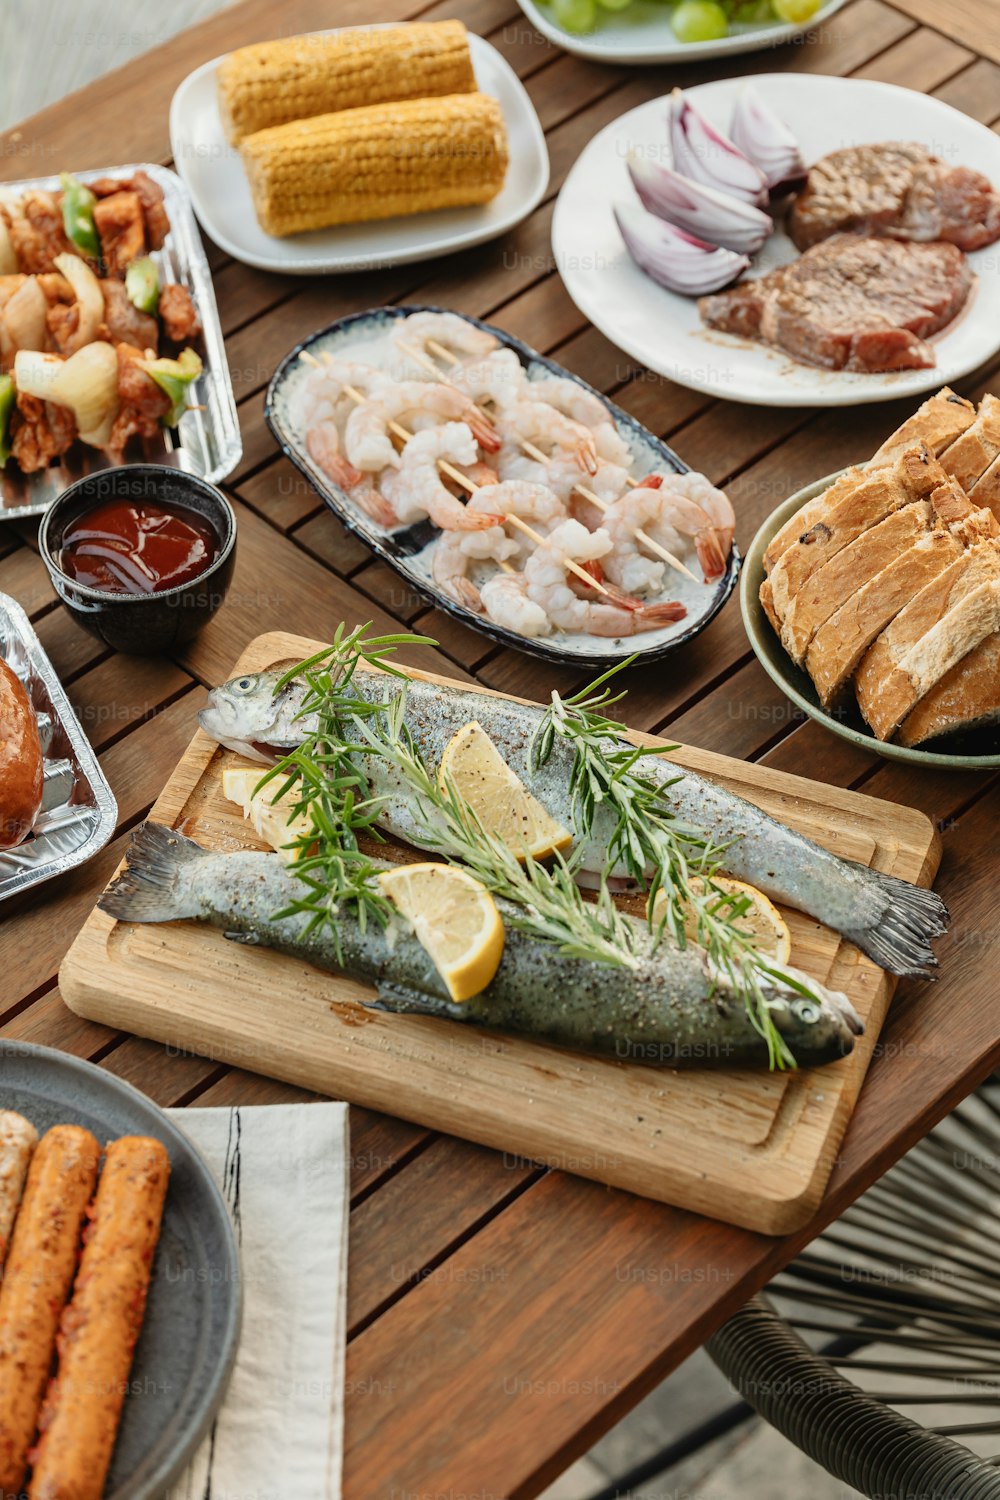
column 124, row 547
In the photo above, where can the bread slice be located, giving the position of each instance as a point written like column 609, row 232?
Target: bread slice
column 937, row 423
column 850, row 507
column 940, row 626
column 986, row 490
column 969, row 456
column 840, row 643
column 853, row 566
column 966, row 698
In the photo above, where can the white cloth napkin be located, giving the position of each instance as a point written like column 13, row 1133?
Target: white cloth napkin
column 283, row 1171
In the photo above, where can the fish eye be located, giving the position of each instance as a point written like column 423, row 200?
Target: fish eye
column 807, row 1010
column 244, row 684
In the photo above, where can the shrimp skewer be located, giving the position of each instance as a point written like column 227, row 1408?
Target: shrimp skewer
column 547, row 586
column 367, row 438
column 323, row 447
column 536, row 453
column 417, row 489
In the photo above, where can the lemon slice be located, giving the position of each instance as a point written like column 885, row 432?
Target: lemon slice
column 455, row 919
column 762, row 920
column 271, row 818
column 475, row 768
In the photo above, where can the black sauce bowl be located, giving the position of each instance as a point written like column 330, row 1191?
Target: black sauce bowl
column 142, row 624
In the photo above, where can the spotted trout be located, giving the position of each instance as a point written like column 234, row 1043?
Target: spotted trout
column 660, row 1006
column 891, row 920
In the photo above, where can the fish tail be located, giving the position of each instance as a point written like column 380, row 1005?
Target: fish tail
column 150, row 890
column 900, row 938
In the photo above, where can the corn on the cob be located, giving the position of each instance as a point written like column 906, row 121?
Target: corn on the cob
column 374, row 163
column 271, row 83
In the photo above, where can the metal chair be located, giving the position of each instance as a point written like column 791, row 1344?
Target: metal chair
column 877, row 1352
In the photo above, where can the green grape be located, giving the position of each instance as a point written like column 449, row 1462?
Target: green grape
column 699, row 21
column 796, row 11
column 575, row 15
column 754, row 12
column 614, row 4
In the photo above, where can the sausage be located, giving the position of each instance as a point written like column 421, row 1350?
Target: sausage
column 36, row 1283
column 21, row 769
column 99, row 1328
column 18, row 1139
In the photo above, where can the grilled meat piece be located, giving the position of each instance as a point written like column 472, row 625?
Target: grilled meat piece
column 121, row 230
column 123, row 322
column 36, row 232
column 180, row 322
column 899, row 190
column 41, row 431
column 143, row 404
column 850, row 304
column 150, row 195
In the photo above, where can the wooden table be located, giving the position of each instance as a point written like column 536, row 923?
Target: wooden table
column 502, row 1317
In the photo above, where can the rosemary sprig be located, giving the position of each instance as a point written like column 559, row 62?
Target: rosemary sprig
column 647, row 836
column 546, row 901
column 327, row 786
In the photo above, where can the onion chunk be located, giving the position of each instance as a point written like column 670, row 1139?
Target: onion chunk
column 675, row 259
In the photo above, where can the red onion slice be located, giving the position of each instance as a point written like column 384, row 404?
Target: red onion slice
column 766, row 139
column 700, row 210
column 673, row 258
column 704, row 154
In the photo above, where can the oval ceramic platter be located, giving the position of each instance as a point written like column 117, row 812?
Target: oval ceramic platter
column 214, row 175
column 409, row 550
column 191, row 1330
column 642, row 33
column 663, row 330
column 977, row 750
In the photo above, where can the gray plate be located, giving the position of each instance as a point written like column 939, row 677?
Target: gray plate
column 207, row 441
column 78, row 813
column 188, row 1342
column 977, row 750
column 409, row 550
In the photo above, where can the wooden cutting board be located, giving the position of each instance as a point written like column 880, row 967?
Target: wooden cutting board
column 752, row 1148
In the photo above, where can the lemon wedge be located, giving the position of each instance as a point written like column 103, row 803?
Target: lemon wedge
column 270, row 817
column 762, row 920
column 456, row 920
column 473, row 765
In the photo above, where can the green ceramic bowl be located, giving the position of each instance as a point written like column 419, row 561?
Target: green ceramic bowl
column 979, row 750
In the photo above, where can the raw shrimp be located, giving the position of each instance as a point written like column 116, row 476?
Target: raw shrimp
column 323, row 445
column 534, row 503
column 549, row 430
column 574, row 400
column 696, row 509
column 416, row 488
column 367, row 438
column 627, row 565
column 607, row 484
column 504, row 597
column 463, row 340
column 455, row 552
column 545, row 577
column 499, row 377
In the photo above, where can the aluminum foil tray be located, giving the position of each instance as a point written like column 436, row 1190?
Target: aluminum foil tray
column 207, row 442
column 79, row 813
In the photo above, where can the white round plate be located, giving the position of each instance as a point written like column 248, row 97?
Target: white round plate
column 643, row 34
column 214, row 175
column 663, row 330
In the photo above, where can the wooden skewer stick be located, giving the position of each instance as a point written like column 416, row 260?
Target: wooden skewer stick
column 534, row 452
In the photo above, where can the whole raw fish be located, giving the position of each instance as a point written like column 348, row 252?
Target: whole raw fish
column 891, row 920
column 661, row 1008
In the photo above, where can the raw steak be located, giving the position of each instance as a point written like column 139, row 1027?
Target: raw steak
column 898, row 190
column 850, row 303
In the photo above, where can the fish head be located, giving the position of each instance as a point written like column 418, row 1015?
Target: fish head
column 820, row 1027
column 252, row 713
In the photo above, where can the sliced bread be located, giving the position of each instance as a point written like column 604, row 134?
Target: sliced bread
column 966, row 698
column 940, row 626
column 850, row 507
column 940, row 420
column 986, row 490
column 969, row 456
column 852, row 567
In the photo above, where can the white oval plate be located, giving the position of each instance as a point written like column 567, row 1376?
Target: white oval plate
column 663, row 330
column 643, row 34
column 214, row 175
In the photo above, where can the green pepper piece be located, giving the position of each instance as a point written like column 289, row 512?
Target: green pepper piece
column 142, row 283
column 78, row 216
column 174, row 376
column 8, row 396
